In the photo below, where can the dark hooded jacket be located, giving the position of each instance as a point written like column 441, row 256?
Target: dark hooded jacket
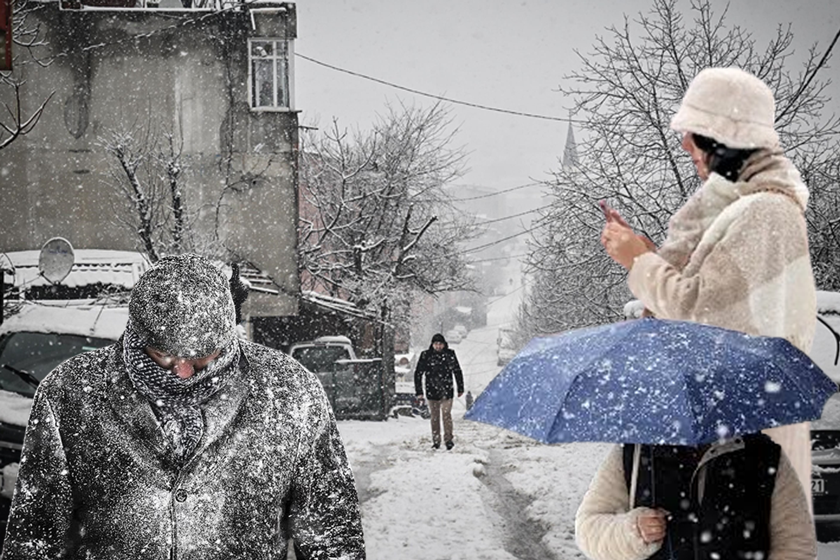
column 438, row 368
column 97, row 479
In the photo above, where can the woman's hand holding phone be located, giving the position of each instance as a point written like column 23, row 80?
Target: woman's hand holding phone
column 611, row 214
column 619, row 239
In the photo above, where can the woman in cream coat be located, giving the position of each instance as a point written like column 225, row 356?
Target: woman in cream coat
column 736, row 255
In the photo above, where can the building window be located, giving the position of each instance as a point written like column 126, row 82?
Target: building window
column 269, row 68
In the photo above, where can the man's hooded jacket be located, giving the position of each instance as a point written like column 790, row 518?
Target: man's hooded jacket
column 438, row 368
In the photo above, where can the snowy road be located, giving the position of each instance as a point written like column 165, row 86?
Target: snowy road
column 495, row 496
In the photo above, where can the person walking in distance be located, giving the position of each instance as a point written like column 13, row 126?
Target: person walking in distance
column 439, row 365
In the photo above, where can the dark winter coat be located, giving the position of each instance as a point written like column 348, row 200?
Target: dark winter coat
column 730, row 499
column 725, row 516
column 438, row 368
column 97, row 480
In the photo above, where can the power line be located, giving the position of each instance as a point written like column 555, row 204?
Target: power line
column 492, row 301
column 497, row 193
column 498, row 258
column 503, row 239
column 440, row 97
column 503, row 218
column 495, row 220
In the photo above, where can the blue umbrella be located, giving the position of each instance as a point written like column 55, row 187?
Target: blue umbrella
column 653, row 381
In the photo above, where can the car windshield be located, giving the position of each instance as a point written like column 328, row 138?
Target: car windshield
column 37, row 354
column 319, row 359
column 830, row 419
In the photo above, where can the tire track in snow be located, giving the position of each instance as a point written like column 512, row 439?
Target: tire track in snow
column 523, row 536
column 363, row 469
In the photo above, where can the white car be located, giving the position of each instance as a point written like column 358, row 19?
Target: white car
column 825, row 432
column 320, row 355
column 32, row 343
column 452, row 336
column 40, row 332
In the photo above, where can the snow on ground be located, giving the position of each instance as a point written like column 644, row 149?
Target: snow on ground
column 495, row 496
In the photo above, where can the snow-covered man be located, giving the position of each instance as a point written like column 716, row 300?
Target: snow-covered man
column 439, row 365
column 183, row 441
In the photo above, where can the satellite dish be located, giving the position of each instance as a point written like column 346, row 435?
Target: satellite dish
column 56, row 259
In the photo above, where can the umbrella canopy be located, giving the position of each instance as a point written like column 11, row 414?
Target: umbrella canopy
column 653, row 381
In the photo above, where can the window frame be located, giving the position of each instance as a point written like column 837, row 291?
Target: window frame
column 275, row 59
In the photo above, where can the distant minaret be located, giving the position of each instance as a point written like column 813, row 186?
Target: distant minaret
column 570, row 155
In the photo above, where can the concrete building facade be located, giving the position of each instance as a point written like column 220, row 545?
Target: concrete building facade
column 218, row 81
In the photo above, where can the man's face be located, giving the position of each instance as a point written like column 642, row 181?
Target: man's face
column 182, row 367
column 438, row 346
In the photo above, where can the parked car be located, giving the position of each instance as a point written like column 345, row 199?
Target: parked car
column 452, row 336
column 505, row 350
column 825, row 432
column 825, row 475
column 33, row 342
column 320, row 355
column 404, row 367
column 46, row 324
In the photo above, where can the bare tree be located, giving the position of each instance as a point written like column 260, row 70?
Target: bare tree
column 146, row 175
column 624, row 95
column 376, row 226
column 28, row 37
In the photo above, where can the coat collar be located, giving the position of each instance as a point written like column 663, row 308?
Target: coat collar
column 714, row 451
column 135, row 411
column 132, row 408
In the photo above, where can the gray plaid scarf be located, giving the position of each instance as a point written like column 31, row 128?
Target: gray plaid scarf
column 177, row 402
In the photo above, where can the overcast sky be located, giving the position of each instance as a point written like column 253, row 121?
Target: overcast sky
column 507, row 54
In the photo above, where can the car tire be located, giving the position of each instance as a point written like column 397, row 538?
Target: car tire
column 828, row 532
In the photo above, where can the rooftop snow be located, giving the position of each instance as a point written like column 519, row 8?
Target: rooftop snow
column 92, row 266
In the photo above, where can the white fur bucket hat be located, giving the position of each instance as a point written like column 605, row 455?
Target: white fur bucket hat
column 731, row 106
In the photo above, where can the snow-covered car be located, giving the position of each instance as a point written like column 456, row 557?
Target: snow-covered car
column 505, row 350
column 452, row 336
column 825, row 432
column 320, row 355
column 33, row 342
column 404, row 366
column 825, row 474
column 47, row 323
column 504, row 356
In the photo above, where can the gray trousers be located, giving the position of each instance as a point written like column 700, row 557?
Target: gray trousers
column 438, row 408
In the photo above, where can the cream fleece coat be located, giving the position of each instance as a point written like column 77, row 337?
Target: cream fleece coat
column 737, row 257
column 605, row 524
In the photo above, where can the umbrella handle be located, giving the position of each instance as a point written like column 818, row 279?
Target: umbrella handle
column 634, row 474
column 652, row 478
